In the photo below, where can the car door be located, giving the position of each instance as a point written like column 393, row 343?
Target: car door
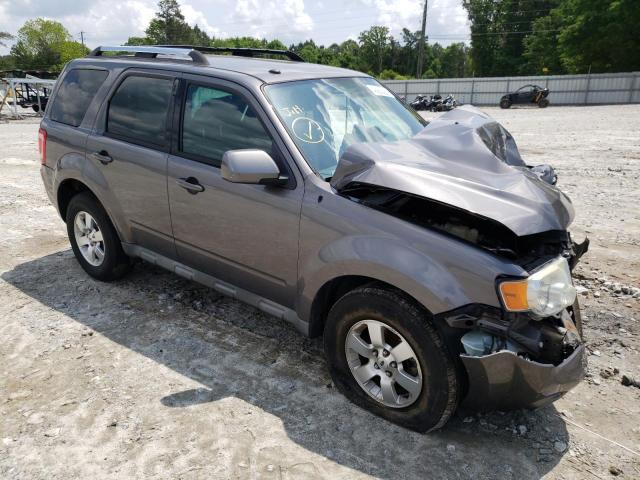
column 246, row 235
column 130, row 146
column 524, row 94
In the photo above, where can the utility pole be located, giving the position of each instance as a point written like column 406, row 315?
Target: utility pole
column 422, row 41
column 82, row 38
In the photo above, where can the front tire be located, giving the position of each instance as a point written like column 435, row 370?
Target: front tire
column 543, row 103
column 385, row 355
column 505, row 103
column 94, row 240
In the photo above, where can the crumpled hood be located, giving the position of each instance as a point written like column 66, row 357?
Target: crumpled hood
column 465, row 159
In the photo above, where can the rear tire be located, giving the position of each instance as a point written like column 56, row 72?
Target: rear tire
column 433, row 393
column 505, row 103
column 94, row 240
column 543, row 103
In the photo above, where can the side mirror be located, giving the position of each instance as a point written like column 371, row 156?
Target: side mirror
column 251, row 166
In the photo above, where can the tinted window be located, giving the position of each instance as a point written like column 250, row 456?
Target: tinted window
column 138, row 109
column 216, row 121
column 75, row 94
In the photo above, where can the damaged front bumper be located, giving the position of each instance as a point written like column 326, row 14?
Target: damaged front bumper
column 503, row 380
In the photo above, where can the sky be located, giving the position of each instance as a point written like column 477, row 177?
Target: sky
column 111, row 22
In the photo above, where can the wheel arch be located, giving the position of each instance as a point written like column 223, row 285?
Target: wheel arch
column 332, row 290
column 69, row 188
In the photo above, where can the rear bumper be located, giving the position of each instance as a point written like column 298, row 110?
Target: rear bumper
column 47, row 175
column 503, row 380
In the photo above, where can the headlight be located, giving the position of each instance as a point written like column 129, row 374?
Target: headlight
column 546, row 292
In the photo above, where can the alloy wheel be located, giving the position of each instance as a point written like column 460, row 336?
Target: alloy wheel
column 89, row 238
column 383, row 363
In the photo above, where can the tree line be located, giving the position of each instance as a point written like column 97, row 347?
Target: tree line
column 508, row 37
column 534, row 37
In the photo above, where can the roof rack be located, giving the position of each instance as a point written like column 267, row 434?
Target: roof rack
column 239, row 52
column 152, row 51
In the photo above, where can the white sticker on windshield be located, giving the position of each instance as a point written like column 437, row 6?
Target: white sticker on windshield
column 380, row 91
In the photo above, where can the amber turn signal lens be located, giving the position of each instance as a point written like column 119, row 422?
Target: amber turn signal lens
column 514, row 295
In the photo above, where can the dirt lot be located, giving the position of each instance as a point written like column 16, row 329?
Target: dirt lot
column 157, row 377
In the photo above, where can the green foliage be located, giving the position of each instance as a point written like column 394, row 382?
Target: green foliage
column 7, row 62
column 389, row 74
column 499, row 30
column 376, row 51
column 600, row 35
column 45, row 45
column 169, row 26
column 138, row 41
column 513, row 37
column 541, row 54
column 374, row 46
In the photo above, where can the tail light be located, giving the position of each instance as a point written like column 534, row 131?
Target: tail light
column 42, row 145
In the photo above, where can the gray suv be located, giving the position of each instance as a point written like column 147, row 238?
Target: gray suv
column 435, row 263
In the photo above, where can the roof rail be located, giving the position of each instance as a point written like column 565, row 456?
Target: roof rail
column 152, row 51
column 239, row 52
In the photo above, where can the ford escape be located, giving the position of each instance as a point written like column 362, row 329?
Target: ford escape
column 434, row 262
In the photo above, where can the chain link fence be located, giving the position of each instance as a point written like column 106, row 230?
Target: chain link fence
column 592, row 89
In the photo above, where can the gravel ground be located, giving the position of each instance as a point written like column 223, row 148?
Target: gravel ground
column 157, row 377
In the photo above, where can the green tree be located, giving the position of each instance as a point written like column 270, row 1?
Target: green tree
column 601, row 35
column 498, row 32
column 454, row 60
column 169, row 26
column 542, row 54
column 45, row 45
column 373, row 45
column 138, row 41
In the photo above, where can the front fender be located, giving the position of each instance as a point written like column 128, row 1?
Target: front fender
column 344, row 238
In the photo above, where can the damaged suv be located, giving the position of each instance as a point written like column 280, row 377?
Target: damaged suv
column 435, row 263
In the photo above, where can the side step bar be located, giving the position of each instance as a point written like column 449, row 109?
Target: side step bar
column 224, row 288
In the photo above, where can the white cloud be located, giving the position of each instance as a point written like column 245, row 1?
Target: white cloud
column 283, row 19
column 196, row 17
column 327, row 21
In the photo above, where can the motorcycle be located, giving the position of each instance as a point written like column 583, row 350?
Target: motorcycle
column 435, row 103
column 421, row 102
column 449, row 103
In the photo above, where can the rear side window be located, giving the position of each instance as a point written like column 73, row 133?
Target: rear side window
column 138, row 110
column 75, row 94
column 216, row 121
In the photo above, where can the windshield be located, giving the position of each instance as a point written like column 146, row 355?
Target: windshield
column 325, row 116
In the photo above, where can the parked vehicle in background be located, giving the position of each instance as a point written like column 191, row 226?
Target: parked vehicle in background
column 448, row 103
column 434, row 262
column 434, row 103
column 421, row 102
column 526, row 95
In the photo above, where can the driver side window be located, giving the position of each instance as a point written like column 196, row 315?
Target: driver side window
column 215, row 121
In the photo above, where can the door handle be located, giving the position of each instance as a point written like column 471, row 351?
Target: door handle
column 102, row 156
column 190, row 184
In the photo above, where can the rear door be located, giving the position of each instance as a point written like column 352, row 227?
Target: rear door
column 246, row 235
column 130, row 147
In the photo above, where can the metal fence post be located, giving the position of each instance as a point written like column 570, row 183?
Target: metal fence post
column 473, row 84
column 632, row 84
column 586, row 92
column 438, row 87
